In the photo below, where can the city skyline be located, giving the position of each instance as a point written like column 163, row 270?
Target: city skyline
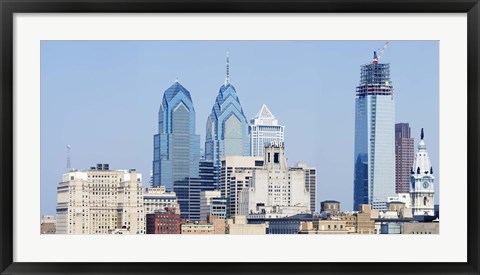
column 340, row 190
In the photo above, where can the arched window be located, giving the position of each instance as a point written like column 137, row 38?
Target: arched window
column 424, row 200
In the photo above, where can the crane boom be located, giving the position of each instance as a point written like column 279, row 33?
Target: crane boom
column 377, row 58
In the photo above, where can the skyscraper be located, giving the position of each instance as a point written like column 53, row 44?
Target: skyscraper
column 374, row 178
column 264, row 129
column 176, row 152
column 227, row 127
column 404, row 155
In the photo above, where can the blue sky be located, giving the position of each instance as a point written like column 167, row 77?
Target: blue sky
column 102, row 98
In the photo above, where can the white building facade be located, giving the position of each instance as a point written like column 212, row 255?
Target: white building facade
column 422, row 181
column 275, row 185
column 99, row 201
column 264, row 129
column 235, row 175
column 310, row 183
column 156, row 199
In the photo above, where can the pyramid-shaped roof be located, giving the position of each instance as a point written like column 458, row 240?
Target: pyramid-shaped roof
column 264, row 113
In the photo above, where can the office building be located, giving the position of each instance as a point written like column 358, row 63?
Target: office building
column 275, row 184
column 422, row 189
column 236, row 172
column 374, row 156
column 310, row 183
column 156, row 199
column 227, row 127
column 404, row 155
column 99, row 201
column 212, row 204
column 263, row 130
column 188, row 191
column 176, row 152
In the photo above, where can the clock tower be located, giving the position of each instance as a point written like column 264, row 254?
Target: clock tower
column 422, row 182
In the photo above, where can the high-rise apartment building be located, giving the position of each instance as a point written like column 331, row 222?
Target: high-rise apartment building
column 227, row 127
column 310, row 183
column 176, row 152
column 422, row 181
column 100, row 200
column 404, row 155
column 374, row 177
column 264, row 129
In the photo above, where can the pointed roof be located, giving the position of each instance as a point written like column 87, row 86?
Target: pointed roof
column 173, row 90
column 264, row 117
column 422, row 162
column 264, row 113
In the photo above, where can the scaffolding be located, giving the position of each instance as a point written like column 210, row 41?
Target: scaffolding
column 375, row 80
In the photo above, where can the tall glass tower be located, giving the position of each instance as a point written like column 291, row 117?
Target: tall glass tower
column 227, row 127
column 176, row 152
column 374, row 179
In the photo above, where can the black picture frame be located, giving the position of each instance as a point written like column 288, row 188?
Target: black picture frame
column 9, row 7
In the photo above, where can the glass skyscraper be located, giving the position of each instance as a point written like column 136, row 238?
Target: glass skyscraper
column 227, row 127
column 176, row 153
column 374, row 177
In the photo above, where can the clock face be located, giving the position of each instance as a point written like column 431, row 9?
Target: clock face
column 425, row 184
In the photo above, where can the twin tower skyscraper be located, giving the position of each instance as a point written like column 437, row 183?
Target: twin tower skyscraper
column 176, row 156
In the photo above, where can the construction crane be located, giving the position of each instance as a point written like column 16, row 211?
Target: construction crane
column 377, row 58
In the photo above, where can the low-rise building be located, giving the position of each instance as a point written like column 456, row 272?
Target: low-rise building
column 157, row 199
column 48, row 225
column 420, row 228
column 164, row 222
column 239, row 226
column 326, row 227
column 366, row 219
column 214, row 225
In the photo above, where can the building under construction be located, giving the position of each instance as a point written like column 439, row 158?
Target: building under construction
column 374, row 179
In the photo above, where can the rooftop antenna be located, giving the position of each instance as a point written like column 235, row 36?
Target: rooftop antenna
column 69, row 168
column 227, row 78
column 422, row 134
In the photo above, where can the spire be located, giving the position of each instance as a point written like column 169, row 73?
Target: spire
column 227, row 78
column 176, row 79
column 421, row 144
column 69, row 168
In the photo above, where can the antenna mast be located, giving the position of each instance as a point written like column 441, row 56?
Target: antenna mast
column 69, row 168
